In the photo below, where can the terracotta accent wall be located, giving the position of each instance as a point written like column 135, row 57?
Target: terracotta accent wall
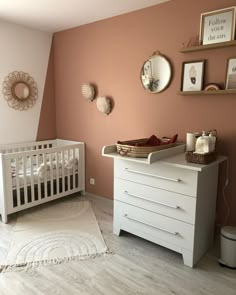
column 110, row 54
column 47, row 121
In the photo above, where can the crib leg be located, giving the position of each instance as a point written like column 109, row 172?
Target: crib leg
column 83, row 193
column 4, row 218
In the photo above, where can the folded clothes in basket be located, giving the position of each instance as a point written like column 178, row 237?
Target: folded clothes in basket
column 152, row 141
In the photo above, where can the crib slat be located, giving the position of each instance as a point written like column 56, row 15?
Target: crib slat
column 78, row 167
column 57, row 172
column 68, row 170
column 39, row 182
column 45, row 175
column 32, row 178
column 17, row 182
column 51, row 173
column 25, row 197
column 63, row 170
column 74, row 167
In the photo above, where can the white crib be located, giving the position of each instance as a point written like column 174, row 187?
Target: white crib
column 37, row 172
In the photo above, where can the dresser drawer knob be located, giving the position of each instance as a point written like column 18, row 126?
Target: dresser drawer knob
column 153, row 201
column 148, row 224
column 153, row 175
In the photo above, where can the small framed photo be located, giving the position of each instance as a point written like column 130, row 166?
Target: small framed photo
column 217, row 26
column 192, row 75
column 231, row 74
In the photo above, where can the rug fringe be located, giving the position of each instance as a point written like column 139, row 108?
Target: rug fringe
column 31, row 265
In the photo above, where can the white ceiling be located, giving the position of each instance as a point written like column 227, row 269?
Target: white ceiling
column 57, row 15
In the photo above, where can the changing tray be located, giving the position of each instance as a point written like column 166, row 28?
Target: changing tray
column 177, row 148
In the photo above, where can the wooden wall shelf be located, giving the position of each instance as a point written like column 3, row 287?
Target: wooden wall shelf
column 207, row 47
column 210, row 92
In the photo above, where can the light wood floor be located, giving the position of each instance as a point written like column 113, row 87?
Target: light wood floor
column 136, row 267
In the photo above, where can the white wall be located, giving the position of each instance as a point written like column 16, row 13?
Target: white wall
column 27, row 50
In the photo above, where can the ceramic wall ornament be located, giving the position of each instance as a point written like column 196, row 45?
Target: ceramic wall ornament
column 104, row 104
column 88, row 91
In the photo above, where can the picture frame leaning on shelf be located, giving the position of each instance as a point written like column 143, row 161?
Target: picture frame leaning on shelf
column 218, row 26
column 193, row 75
column 230, row 82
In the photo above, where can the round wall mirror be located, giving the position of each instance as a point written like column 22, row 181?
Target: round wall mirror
column 20, row 90
column 156, row 73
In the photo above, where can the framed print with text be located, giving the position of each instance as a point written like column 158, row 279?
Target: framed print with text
column 217, row 26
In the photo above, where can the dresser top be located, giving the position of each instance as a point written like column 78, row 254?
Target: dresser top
column 177, row 160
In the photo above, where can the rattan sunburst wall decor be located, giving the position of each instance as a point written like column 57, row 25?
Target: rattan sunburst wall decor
column 20, row 90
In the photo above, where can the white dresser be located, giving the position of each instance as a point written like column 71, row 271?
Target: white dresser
column 169, row 202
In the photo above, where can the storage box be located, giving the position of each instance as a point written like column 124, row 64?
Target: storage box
column 200, row 158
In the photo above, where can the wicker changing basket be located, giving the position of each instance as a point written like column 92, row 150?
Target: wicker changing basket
column 128, row 148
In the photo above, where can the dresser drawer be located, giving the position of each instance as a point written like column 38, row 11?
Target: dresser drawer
column 158, row 175
column 148, row 224
column 164, row 202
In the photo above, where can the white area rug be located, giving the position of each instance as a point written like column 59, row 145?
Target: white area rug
column 54, row 233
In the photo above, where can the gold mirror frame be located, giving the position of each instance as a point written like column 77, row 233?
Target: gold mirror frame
column 156, row 73
column 14, row 101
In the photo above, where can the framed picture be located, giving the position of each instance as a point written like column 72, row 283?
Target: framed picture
column 192, row 75
column 231, row 74
column 217, row 26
